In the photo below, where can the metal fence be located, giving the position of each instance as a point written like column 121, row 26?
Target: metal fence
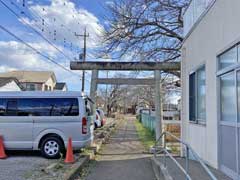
column 162, row 148
column 148, row 121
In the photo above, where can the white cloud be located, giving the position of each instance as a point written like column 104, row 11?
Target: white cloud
column 16, row 56
column 66, row 18
column 109, row 3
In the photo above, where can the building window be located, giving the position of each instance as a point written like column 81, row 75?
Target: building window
column 228, row 97
column 197, row 96
column 228, row 58
column 45, row 88
column 30, row 87
column 39, row 87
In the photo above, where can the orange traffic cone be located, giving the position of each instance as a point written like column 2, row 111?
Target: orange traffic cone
column 2, row 150
column 69, row 156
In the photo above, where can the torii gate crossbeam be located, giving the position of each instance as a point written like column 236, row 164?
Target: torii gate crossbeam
column 157, row 67
column 126, row 81
column 125, row 66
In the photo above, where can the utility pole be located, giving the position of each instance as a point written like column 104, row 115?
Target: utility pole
column 85, row 35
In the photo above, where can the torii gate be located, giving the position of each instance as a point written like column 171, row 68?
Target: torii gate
column 157, row 67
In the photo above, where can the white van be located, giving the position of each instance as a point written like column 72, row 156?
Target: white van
column 44, row 121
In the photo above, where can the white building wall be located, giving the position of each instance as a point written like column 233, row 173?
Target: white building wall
column 218, row 30
column 64, row 88
column 50, row 83
column 12, row 86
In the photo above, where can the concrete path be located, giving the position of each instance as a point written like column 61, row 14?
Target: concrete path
column 122, row 157
column 196, row 171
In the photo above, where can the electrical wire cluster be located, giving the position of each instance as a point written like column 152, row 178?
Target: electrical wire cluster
column 40, row 26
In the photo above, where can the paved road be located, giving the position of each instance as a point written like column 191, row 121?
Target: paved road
column 122, row 158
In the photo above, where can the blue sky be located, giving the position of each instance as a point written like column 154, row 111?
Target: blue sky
column 57, row 21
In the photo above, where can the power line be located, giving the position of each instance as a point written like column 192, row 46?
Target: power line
column 37, row 51
column 37, row 16
column 34, row 49
column 35, row 30
column 40, row 17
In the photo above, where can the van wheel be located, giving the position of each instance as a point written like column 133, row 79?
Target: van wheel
column 52, row 147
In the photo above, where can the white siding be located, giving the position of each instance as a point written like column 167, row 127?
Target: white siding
column 219, row 29
column 64, row 88
column 12, row 86
column 50, row 83
column 193, row 13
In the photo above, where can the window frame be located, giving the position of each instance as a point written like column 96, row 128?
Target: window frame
column 192, row 97
column 196, row 119
column 230, row 67
column 31, row 87
column 233, row 72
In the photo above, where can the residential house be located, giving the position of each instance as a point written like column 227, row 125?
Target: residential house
column 211, row 83
column 34, row 80
column 61, row 86
column 10, row 84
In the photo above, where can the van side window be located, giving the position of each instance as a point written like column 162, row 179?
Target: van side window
column 43, row 106
column 3, row 107
column 26, row 107
column 71, row 107
column 49, row 107
column 64, row 107
column 39, row 107
column 11, row 108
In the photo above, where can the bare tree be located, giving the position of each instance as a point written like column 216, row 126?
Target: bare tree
column 114, row 96
column 147, row 30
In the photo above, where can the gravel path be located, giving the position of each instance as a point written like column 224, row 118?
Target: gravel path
column 122, row 158
column 20, row 165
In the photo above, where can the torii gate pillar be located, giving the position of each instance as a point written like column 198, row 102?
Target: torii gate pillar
column 158, row 104
column 93, row 91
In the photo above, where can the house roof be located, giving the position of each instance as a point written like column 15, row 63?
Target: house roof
column 6, row 80
column 30, row 76
column 60, row 85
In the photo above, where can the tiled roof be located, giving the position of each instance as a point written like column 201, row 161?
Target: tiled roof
column 30, row 76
